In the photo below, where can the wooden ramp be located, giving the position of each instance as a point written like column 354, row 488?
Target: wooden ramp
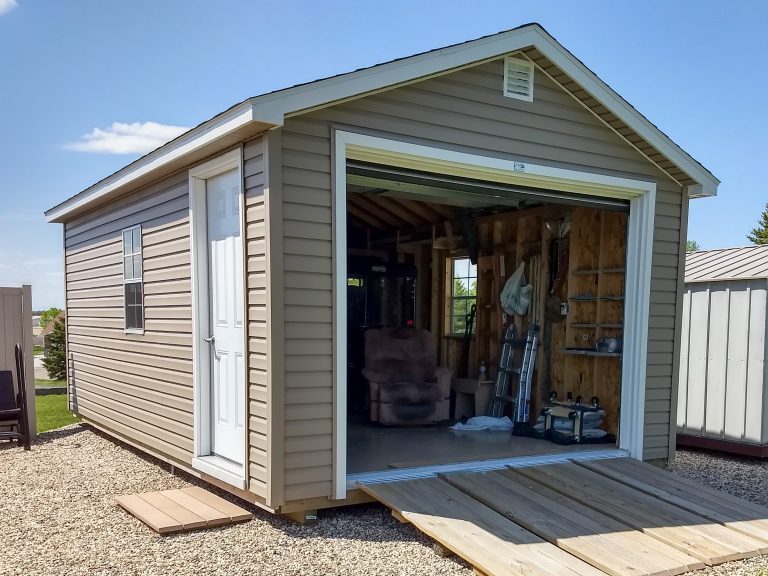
column 619, row 517
column 182, row 510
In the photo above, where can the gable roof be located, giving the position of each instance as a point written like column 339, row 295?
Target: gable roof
column 745, row 263
column 267, row 111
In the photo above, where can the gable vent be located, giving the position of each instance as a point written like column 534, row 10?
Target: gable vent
column 518, row 79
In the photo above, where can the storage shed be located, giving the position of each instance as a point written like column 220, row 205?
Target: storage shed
column 222, row 291
column 723, row 392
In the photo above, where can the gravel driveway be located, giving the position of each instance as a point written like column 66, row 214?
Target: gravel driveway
column 58, row 516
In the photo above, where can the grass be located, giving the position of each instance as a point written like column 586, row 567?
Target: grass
column 45, row 382
column 53, row 412
column 37, row 350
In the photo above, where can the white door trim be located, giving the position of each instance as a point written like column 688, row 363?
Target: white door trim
column 203, row 460
column 642, row 198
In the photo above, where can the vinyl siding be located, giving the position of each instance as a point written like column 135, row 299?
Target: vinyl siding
column 462, row 111
column 138, row 386
column 253, row 173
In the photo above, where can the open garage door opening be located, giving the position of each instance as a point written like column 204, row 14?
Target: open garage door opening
column 441, row 272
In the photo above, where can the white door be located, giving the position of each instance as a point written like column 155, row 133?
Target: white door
column 225, row 269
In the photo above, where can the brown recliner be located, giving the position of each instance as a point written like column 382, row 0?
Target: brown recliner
column 406, row 386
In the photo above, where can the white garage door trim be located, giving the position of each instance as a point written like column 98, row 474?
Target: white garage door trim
column 642, row 198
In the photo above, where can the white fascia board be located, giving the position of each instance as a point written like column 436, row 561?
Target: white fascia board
column 567, row 62
column 276, row 106
column 191, row 141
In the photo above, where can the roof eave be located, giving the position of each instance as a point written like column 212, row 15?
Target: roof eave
column 270, row 110
column 187, row 147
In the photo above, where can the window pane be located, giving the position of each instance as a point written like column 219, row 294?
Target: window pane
column 459, row 316
column 126, row 241
column 472, row 287
column 136, row 240
column 461, row 268
column 128, row 267
column 472, row 269
column 136, row 267
column 134, row 310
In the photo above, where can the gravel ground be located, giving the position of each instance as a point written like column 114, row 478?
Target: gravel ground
column 743, row 477
column 58, row 516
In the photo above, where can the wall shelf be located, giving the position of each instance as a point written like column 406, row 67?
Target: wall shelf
column 595, row 325
column 590, row 352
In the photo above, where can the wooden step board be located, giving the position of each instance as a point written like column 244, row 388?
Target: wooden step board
column 745, row 517
column 182, row 510
column 490, row 542
column 596, row 538
column 691, row 533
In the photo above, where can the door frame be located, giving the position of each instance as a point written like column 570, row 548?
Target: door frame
column 203, row 459
column 642, row 199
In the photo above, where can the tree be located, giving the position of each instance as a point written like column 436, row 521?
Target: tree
column 47, row 315
column 55, row 360
column 759, row 235
column 692, row 246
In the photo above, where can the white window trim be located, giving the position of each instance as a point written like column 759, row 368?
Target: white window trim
column 203, row 459
column 127, row 330
column 642, row 198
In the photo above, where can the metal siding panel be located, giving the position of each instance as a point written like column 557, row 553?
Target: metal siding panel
column 736, row 369
column 697, row 360
column 755, row 384
column 717, row 350
column 684, row 384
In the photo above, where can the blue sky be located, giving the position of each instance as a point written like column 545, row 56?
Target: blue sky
column 79, row 78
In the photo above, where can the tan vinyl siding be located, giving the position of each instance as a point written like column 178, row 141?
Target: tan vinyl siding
column 138, row 386
column 462, row 111
column 253, row 173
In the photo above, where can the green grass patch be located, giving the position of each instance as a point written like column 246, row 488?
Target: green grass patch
column 45, row 382
column 37, row 350
column 53, row 412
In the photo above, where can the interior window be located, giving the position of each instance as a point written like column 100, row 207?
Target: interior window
column 463, row 293
column 133, row 289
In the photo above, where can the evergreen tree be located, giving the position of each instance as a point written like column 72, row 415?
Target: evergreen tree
column 692, row 246
column 759, row 235
column 55, row 360
column 47, row 316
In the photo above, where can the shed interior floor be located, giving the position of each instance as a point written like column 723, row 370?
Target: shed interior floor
column 375, row 448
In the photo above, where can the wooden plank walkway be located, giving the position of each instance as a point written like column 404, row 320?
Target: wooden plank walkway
column 618, row 517
column 596, row 538
column 740, row 515
column 710, row 542
column 182, row 510
column 481, row 536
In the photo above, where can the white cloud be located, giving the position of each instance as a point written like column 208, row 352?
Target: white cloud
column 122, row 138
column 7, row 6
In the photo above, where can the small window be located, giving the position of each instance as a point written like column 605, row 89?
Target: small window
column 463, row 293
column 133, row 288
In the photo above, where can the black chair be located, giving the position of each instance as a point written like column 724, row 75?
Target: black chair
column 13, row 406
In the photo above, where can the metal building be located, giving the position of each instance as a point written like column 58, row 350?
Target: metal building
column 722, row 396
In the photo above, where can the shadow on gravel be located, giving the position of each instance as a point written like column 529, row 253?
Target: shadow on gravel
column 45, row 437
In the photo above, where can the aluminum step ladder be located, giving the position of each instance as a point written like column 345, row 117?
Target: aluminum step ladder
column 501, row 396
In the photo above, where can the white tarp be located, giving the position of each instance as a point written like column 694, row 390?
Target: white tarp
column 516, row 295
